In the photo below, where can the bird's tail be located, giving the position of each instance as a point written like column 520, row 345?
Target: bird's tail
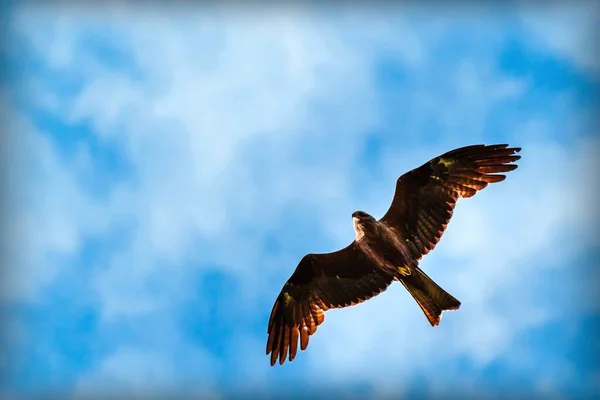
column 432, row 299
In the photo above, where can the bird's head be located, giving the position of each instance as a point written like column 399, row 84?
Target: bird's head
column 361, row 215
column 361, row 219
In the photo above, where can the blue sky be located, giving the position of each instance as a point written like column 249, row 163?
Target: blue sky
column 168, row 168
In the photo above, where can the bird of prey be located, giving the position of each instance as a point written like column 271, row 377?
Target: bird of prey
column 388, row 249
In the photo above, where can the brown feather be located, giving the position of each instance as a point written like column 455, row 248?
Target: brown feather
column 425, row 197
column 431, row 298
column 293, row 343
column 319, row 283
column 304, row 339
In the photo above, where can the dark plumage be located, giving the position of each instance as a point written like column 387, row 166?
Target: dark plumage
column 387, row 249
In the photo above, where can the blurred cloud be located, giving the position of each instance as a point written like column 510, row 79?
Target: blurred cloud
column 565, row 28
column 181, row 162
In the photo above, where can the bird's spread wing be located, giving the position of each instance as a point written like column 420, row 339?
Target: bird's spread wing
column 425, row 197
column 320, row 282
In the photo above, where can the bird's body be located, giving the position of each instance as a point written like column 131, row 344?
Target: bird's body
column 382, row 245
column 386, row 250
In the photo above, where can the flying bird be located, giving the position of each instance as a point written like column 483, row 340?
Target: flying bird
column 386, row 250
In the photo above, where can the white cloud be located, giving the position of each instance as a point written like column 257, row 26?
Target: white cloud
column 48, row 217
column 233, row 120
column 186, row 135
column 140, row 373
column 187, row 139
column 567, row 28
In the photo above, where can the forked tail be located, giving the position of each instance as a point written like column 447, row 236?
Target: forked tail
column 432, row 299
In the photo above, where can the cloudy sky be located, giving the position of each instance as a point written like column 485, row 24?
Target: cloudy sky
column 167, row 168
